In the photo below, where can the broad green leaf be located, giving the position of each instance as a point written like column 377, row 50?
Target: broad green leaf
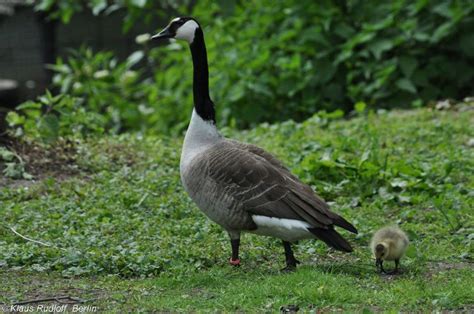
column 344, row 30
column 407, row 65
column 6, row 155
column 360, row 106
column 380, row 46
column 14, row 119
column 49, row 126
column 138, row 3
column 98, row 6
column 325, row 69
column 441, row 32
column 135, row 57
column 13, row 170
column 385, row 194
column 365, row 156
column 406, row 85
column 400, row 183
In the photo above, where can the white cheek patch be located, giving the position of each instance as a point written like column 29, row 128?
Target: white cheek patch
column 187, row 31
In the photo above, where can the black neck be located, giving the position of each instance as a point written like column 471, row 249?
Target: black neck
column 202, row 101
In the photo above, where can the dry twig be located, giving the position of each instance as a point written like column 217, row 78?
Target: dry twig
column 57, row 299
column 33, row 240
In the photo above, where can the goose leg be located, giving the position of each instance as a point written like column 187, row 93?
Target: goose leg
column 397, row 263
column 291, row 261
column 235, row 244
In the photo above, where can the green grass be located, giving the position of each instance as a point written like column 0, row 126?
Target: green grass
column 126, row 235
column 256, row 289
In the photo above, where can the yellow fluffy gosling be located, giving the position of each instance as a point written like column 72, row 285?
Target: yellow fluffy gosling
column 388, row 244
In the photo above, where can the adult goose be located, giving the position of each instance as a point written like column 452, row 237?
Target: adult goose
column 240, row 186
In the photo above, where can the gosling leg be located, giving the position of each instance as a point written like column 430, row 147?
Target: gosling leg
column 379, row 266
column 397, row 263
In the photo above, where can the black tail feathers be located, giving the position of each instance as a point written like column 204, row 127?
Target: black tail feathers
column 341, row 222
column 332, row 238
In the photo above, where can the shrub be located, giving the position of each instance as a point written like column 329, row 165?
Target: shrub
column 288, row 59
column 53, row 116
column 284, row 60
column 107, row 86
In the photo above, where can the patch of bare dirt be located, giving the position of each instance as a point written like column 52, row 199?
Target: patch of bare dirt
column 32, row 291
column 57, row 161
column 447, row 266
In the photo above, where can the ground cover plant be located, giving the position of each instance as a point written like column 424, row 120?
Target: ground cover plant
column 118, row 231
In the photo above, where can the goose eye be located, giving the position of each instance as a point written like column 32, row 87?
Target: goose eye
column 177, row 24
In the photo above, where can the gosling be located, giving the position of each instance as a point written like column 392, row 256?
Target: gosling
column 388, row 244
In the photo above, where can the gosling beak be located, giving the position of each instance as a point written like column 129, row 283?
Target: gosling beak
column 164, row 34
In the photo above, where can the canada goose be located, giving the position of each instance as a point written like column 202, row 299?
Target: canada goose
column 241, row 186
column 388, row 244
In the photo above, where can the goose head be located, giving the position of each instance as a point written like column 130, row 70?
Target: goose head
column 182, row 28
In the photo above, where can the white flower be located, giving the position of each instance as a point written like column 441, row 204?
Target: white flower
column 142, row 38
column 101, row 74
column 76, row 86
column 128, row 76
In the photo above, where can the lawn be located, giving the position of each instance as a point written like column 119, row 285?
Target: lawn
column 118, row 232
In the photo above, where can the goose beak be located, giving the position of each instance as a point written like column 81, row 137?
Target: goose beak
column 164, row 34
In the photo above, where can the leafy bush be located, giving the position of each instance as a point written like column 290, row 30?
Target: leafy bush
column 136, row 10
column 97, row 93
column 294, row 58
column 107, row 86
column 288, row 61
column 54, row 116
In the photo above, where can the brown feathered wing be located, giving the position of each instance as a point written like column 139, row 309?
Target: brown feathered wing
column 261, row 185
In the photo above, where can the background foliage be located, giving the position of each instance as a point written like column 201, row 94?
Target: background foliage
column 276, row 60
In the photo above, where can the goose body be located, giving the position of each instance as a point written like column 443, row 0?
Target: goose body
column 203, row 174
column 240, row 186
column 389, row 244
